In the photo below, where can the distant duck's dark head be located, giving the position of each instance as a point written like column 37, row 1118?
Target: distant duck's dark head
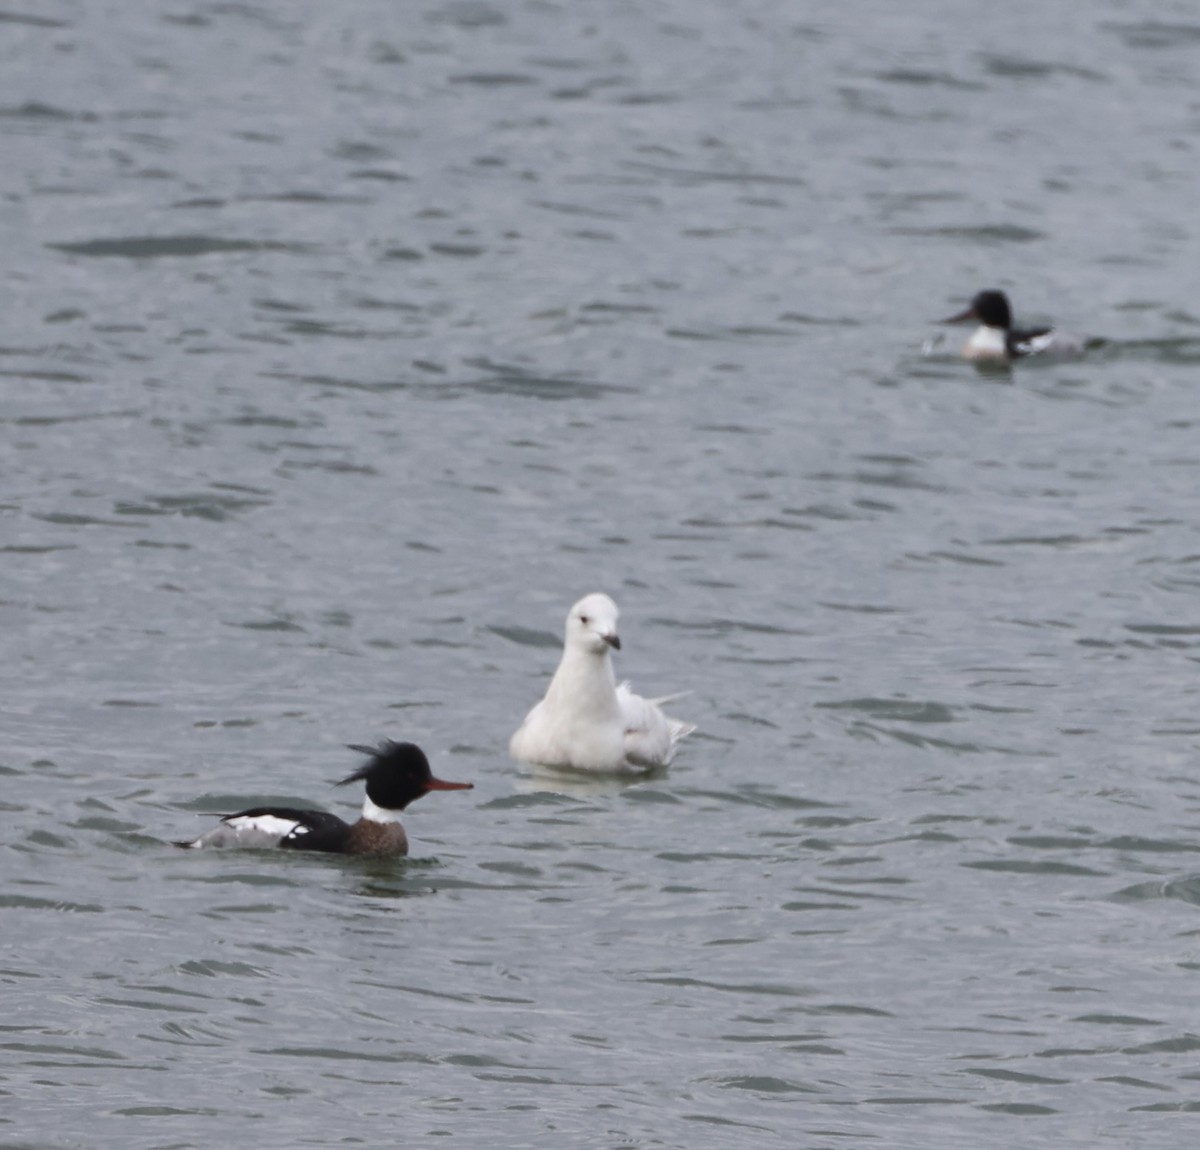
column 398, row 774
column 988, row 307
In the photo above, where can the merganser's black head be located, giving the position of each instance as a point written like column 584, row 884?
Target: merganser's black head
column 398, row 774
column 989, row 308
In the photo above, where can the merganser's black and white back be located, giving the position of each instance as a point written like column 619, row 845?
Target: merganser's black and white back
column 997, row 340
column 396, row 775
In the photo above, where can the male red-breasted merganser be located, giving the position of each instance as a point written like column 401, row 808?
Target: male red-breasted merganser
column 996, row 338
column 397, row 774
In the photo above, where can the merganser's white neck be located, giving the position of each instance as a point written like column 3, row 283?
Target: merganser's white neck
column 377, row 814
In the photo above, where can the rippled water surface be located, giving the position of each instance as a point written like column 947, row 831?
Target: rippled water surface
column 345, row 345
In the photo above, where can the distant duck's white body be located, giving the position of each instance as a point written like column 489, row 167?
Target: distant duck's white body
column 990, row 343
column 587, row 722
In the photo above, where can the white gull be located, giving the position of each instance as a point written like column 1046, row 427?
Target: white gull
column 587, row 722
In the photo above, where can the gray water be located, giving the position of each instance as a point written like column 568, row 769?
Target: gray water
column 344, row 345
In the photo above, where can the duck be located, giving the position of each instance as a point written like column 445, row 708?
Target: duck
column 396, row 774
column 996, row 339
column 587, row 721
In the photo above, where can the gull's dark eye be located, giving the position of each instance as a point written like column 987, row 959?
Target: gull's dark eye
column 583, row 619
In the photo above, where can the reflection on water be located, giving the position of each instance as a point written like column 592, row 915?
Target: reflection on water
column 564, row 781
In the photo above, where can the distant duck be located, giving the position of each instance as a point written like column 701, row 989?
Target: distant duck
column 997, row 340
column 586, row 722
column 396, row 775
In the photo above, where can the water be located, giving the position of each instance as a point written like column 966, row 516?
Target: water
column 344, row 346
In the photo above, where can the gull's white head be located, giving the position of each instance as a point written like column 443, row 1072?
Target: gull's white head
column 592, row 624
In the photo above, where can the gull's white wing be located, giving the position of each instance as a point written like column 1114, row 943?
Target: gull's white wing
column 650, row 735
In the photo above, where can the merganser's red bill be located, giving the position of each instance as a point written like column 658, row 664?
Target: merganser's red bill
column 962, row 316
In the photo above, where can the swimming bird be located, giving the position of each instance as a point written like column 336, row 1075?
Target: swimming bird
column 586, row 721
column 396, row 775
column 998, row 341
